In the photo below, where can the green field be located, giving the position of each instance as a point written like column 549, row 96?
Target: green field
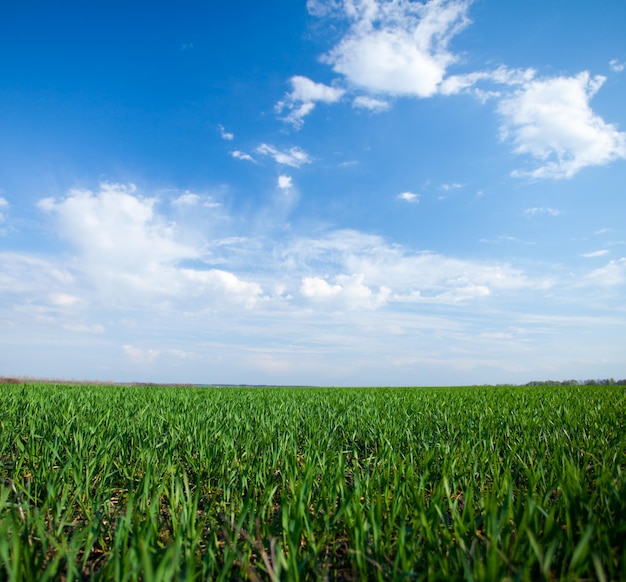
column 155, row 483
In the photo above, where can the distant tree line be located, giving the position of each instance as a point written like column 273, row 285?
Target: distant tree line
column 597, row 382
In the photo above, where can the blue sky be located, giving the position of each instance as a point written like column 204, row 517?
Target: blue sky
column 356, row 192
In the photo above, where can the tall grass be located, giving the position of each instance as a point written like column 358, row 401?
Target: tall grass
column 137, row 483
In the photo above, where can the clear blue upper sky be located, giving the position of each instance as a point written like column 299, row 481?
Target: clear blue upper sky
column 343, row 192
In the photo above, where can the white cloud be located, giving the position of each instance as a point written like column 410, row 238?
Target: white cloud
column 348, row 292
column 613, row 273
column 26, row 275
column 221, row 284
column 600, row 253
column 83, row 328
column 371, row 104
column 186, row 199
column 409, row 277
column 396, row 47
column 284, row 182
column 65, row 299
column 226, row 135
column 501, row 238
column 616, row 66
column 602, row 231
column 139, row 355
column 453, row 186
column 3, row 204
column 542, row 210
column 238, row 155
column 151, row 355
column 322, row 7
column 294, row 157
column 130, row 252
column 551, row 120
column 191, row 199
column 303, row 97
column 409, row 197
column 502, row 76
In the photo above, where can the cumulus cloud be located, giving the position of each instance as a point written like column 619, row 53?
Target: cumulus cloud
column 371, row 104
column 396, row 47
column 409, row 197
column 542, row 210
column 294, row 157
column 115, row 228
column 284, row 182
column 400, row 275
column 551, row 121
column 223, row 284
column 125, row 247
column 348, row 292
column 302, row 98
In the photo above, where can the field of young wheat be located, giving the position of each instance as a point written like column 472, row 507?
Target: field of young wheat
column 155, row 483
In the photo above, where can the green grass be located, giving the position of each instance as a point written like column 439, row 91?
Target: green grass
column 145, row 483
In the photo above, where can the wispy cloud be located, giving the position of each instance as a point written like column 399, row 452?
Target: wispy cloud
column 4, row 205
column 96, row 328
column 226, row 135
column 302, row 98
column 611, row 275
column 542, row 210
column 452, row 186
column 617, row 66
column 65, row 300
column 186, row 199
column 238, row 155
column 600, row 253
column 486, row 85
column 140, row 355
column 294, row 157
column 371, row 104
column 501, row 238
